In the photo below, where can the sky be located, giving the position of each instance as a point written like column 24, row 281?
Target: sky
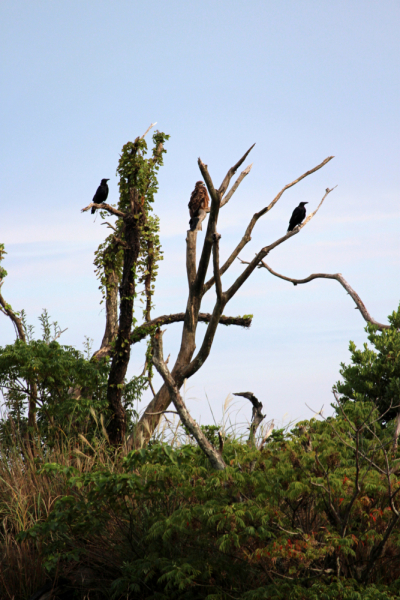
column 303, row 80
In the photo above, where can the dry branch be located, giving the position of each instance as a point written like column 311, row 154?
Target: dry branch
column 247, row 235
column 148, row 129
column 289, row 185
column 338, row 277
column 267, row 434
column 224, row 185
column 142, row 331
column 267, row 249
column 187, row 363
column 235, row 186
column 256, row 416
column 212, row 454
column 110, row 209
column 218, row 284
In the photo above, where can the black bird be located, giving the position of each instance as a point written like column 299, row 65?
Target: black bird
column 298, row 216
column 101, row 194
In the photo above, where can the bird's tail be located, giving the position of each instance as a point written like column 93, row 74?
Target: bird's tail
column 93, row 210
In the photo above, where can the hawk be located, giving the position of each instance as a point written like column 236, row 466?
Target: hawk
column 199, row 201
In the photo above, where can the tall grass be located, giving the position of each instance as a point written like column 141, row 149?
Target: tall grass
column 26, row 499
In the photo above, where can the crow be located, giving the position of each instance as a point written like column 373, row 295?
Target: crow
column 101, row 194
column 298, row 216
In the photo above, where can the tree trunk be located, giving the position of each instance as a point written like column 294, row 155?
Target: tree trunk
column 117, row 426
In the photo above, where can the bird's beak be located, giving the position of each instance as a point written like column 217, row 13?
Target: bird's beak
column 304, row 202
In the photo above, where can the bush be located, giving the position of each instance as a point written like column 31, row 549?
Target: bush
column 374, row 373
column 313, row 515
column 70, row 393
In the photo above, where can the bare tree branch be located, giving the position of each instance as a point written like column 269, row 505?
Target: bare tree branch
column 110, row 209
column 206, row 345
column 235, row 186
column 139, row 333
column 289, row 185
column 224, row 185
column 109, row 225
column 218, row 284
column 211, row 228
column 265, row 251
column 191, row 267
column 216, row 196
column 338, row 277
column 142, row 331
column 256, row 416
column 247, row 235
column 212, row 454
column 148, row 129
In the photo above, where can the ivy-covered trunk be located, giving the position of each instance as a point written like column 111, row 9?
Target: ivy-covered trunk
column 128, row 257
column 122, row 349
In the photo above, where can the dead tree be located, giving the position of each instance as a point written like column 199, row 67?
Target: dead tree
column 127, row 237
column 187, row 362
column 133, row 245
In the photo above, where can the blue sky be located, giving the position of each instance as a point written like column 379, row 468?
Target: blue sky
column 304, row 80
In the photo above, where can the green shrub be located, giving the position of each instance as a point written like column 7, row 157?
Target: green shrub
column 313, row 515
column 374, row 372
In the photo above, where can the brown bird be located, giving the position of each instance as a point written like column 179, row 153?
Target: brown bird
column 199, row 201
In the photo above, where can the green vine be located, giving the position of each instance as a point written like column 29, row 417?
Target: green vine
column 138, row 185
column 3, row 272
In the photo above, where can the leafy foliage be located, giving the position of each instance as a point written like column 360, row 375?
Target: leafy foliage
column 57, row 372
column 69, row 391
column 310, row 516
column 374, row 372
column 3, row 272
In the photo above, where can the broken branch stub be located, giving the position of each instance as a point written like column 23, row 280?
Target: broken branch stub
column 256, row 417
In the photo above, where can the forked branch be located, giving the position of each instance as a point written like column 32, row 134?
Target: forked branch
column 266, row 250
column 235, row 186
column 247, row 235
column 289, row 185
column 224, row 185
column 216, row 197
column 212, row 454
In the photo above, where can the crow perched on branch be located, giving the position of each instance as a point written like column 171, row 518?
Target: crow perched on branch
column 101, row 194
column 298, row 216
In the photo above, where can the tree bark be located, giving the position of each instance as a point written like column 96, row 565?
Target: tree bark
column 117, row 426
column 111, row 298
